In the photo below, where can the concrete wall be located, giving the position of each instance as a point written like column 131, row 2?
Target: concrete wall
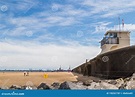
column 120, row 63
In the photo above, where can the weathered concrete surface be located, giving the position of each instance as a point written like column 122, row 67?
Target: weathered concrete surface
column 110, row 65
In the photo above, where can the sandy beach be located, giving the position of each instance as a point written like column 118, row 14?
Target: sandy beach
column 34, row 78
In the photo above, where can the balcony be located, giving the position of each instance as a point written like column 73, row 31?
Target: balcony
column 109, row 40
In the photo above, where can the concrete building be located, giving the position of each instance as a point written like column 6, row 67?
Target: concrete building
column 115, row 40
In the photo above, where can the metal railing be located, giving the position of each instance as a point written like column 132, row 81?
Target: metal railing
column 109, row 40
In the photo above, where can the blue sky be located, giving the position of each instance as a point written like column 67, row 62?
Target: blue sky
column 46, row 34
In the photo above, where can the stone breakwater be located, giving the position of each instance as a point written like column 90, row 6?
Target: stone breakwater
column 127, row 83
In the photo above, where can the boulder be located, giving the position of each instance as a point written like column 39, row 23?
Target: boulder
column 133, row 76
column 130, row 84
column 88, row 82
column 102, row 85
column 94, row 85
column 23, row 87
column 72, row 86
column 55, row 85
column 15, row 87
column 120, row 82
column 65, row 85
column 79, row 83
column 127, row 79
column 43, row 86
column 113, row 82
column 28, row 88
column 123, row 86
column 4, row 88
column 34, row 88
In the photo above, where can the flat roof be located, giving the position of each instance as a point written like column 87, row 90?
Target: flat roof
column 116, row 31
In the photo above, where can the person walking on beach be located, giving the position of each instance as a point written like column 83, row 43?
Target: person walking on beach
column 24, row 74
column 27, row 73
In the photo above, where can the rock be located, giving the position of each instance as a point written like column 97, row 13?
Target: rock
column 97, row 81
column 87, row 83
column 43, row 86
column 79, row 83
column 94, row 85
column 72, row 86
column 120, row 82
column 4, row 88
column 65, row 85
column 15, row 87
column 34, row 88
column 123, row 86
column 28, row 88
column 113, row 82
column 133, row 76
column 130, row 84
column 102, row 85
column 23, row 87
column 55, row 85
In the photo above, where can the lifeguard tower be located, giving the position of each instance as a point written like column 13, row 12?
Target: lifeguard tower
column 115, row 40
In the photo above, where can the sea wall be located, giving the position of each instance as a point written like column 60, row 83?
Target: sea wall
column 114, row 64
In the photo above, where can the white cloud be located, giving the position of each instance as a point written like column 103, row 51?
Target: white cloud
column 22, row 6
column 101, row 26
column 129, row 27
column 108, row 8
column 37, row 56
column 66, row 15
column 104, row 26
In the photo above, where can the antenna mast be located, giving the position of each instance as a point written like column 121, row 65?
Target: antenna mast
column 119, row 23
column 122, row 24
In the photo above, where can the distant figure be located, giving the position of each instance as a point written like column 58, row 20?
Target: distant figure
column 24, row 74
column 27, row 73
